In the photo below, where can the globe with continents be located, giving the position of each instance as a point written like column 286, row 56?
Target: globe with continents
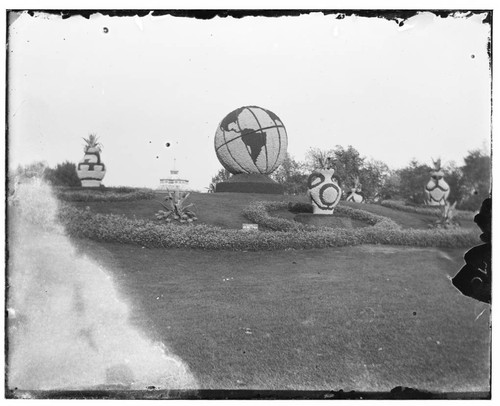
column 251, row 140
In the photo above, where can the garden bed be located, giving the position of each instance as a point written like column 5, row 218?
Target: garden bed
column 285, row 234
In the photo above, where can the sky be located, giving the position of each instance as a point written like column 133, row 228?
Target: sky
column 421, row 90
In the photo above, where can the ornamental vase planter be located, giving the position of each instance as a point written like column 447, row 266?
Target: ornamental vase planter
column 91, row 170
column 436, row 190
column 355, row 196
column 323, row 191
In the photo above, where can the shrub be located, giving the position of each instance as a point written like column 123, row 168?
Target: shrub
column 176, row 208
column 446, row 219
column 104, row 195
column 64, row 174
column 258, row 212
column 122, row 189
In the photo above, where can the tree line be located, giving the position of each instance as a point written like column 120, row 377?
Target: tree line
column 63, row 174
column 470, row 183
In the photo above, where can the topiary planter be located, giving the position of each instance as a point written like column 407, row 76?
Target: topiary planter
column 436, row 190
column 324, row 191
column 90, row 169
column 355, row 197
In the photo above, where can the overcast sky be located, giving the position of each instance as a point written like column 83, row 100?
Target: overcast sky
column 395, row 93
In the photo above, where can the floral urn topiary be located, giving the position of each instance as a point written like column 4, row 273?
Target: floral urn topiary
column 356, row 195
column 90, row 169
column 436, row 190
column 324, row 190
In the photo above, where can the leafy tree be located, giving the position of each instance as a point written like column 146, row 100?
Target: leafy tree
column 372, row 175
column 349, row 165
column 390, row 188
column 317, row 158
column 413, row 179
column 454, row 178
column 292, row 176
column 220, row 176
column 469, row 184
column 476, row 179
column 63, row 175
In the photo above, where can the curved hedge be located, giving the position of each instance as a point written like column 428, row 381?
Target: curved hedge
column 117, row 228
column 432, row 211
column 258, row 212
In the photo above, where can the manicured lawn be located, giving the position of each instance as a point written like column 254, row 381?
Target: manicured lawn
column 218, row 209
column 365, row 318
column 405, row 219
column 225, row 209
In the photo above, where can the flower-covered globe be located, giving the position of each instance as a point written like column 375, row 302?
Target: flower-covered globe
column 251, row 140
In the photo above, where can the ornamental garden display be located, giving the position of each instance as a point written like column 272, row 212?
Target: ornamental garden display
column 250, row 142
column 90, row 169
column 436, row 190
column 324, row 190
column 356, row 195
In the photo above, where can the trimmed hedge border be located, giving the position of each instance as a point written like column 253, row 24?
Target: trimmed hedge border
column 117, row 195
column 258, row 212
column 433, row 211
column 118, row 228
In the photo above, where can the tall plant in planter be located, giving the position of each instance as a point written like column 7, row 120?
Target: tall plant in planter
column 90, row 169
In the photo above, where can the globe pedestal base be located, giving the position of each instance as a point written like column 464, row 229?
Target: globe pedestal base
column 249, row 183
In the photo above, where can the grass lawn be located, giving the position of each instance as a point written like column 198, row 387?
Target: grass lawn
column 405, row 219
column 225, row 209
column 365, row 318
column 218, row 209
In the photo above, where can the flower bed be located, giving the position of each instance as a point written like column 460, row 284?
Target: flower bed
column 433, row 211
column 258, row 212
column 121, row 229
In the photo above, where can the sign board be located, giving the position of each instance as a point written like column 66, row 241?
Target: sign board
column 250, row 227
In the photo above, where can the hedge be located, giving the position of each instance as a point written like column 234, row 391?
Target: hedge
column 105, row 195
column 258, row 212
column 121, row 229
column 433, row 211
